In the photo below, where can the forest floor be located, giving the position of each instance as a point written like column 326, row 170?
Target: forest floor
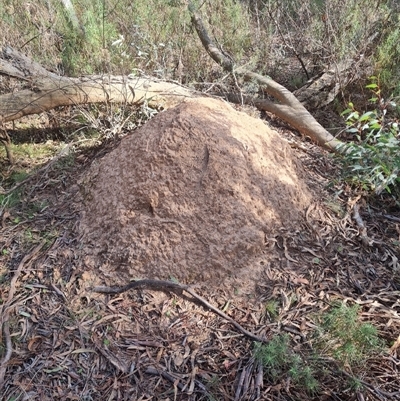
column 62, row 340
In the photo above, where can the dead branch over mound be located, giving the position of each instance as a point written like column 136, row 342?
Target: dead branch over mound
column 45, row 90
column 287, row 107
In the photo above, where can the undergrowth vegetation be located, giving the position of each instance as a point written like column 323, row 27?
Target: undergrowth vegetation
column 344, row 337
column 278, row 359
column 292, row 41
column 372, row 159
column 340, row 339
column 288, row 40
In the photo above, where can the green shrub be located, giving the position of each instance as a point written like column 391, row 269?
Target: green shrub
column 347, row 339
column 278, row 359
column 372, row 161
column 156, row 36
column 89, row 50
column 153, row 36
column 387, row 56
column 340, row 336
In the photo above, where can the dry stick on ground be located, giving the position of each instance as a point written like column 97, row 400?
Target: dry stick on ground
column 6, row 308
column 373, row 389
column 243, row 385
column 160, row 285
column 360, row 223
column 173, row 378
column 287, row 107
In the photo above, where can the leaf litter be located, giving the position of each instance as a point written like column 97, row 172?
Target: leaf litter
column 62, row 341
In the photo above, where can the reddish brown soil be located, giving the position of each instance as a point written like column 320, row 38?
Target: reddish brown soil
column 194, row 194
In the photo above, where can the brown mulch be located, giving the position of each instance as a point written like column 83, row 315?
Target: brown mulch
column 61, row 340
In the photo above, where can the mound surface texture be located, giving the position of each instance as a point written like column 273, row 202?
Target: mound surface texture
column 193, row 195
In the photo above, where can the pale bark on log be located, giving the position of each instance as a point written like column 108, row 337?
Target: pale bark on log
column 46, row 90
column 47, row 93
column 287, row 107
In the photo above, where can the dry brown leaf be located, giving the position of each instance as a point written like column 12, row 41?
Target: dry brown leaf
column 178, row 358
column 396, row 345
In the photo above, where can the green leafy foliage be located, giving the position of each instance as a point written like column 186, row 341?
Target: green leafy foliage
column 271, row 308
column 339, row 336
column 372, row 160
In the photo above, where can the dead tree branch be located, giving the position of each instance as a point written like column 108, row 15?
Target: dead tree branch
column 160, row 285
column 45, row 90
column 287, row 106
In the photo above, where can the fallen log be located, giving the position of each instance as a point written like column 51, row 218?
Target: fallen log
column 45, row 90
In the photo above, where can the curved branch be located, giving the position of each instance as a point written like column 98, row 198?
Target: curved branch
column 298, row 118
column 161, row 285
column 208, row 44
column 287, row 107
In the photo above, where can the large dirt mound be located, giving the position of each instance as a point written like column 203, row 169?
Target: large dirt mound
column 192, row 195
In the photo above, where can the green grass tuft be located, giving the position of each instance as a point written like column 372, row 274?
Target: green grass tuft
column 351, row 342
column 278, row 359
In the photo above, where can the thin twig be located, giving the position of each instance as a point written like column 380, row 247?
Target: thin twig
column 374, row 390
column 289, row 45
column 360, row 223
column 160, row 285
column 173, row 378
column 391, row 218
column 370, row 387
